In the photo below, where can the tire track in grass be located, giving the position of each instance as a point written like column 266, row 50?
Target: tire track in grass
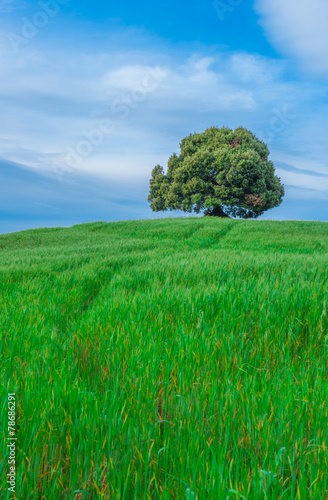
column 95, row 285
column 212, row 236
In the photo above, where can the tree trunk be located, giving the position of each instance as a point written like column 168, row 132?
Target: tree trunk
column 217, row 212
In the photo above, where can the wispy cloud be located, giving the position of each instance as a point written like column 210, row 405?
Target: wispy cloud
column 55, row 95
column 11, row 5
column 31, row 198
column 299, row 29
column 60, row 93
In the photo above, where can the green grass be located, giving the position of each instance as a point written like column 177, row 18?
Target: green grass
column 167, row 359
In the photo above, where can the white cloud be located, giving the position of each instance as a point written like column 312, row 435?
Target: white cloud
column 255, row 69
column 303, row 163
column 199, row 84
column 51, row 96
column 57, row 94
column 127, row 167
column 133, row 77
column 303, row 180
column 11, row 5
column 299, row 29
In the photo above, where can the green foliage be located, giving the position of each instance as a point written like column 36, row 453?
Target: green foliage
column 217, row 170
column 166, row 359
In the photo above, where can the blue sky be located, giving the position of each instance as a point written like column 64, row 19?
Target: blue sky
column 94, row 94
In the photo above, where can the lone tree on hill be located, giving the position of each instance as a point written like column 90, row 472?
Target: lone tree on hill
column 221, row 171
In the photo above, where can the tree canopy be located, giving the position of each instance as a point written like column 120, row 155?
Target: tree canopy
column 222, row 172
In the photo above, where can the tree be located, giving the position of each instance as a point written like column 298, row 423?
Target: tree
column 222, row 172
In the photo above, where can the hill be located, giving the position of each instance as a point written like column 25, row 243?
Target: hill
column 173, row 358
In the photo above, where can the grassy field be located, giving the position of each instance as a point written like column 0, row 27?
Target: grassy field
column 167, row 359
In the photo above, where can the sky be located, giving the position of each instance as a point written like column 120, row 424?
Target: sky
column 94, row 94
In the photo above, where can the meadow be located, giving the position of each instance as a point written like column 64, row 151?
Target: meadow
column 166, row 359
